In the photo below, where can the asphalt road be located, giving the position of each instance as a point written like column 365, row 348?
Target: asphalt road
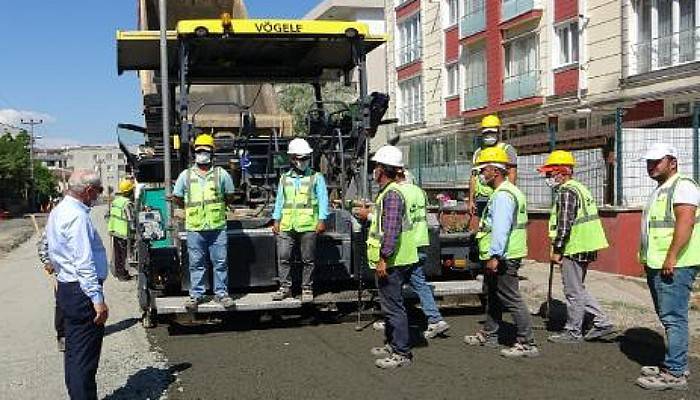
column 301, row 359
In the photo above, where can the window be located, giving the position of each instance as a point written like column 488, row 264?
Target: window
column 452, row 73
column 451, row 13
column 475, row 79
column 567, row 43
column 521, row 68
column 410, row 106
column 409, row 33
column 665, row 34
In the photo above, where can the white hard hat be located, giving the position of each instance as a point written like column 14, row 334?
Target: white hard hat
column 658, row 151
column 299, row 146
column 389, row 155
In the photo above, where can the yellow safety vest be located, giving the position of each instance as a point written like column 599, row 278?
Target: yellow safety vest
column 205, row 207
column 660, row 222
column 406, row 252
column 300, row 209
column 118, row 223
column 517, row 239
column 416, row 202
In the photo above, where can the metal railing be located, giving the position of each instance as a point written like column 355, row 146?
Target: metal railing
column 474, row 21
column 475, row 97
column 667, row 51
column 521, row 86
column 513, row 8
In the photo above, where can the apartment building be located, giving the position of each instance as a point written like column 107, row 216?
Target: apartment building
column 555, row 71
column 107, row 160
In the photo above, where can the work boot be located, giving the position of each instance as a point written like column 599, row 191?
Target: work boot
column 61, row 344
column 663, row 381
column 192, row 303
column 392, row 361
column 565, row 338
column 378, row 326
column 598, row 332
column 225, row 300
column 282, row 293
column 383, row 351
column 521, row 350
column 435, row 329
column 307, row 295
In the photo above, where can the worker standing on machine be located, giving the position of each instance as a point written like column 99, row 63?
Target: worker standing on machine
column 301, row 210
column 120, row 227
column 204, row 190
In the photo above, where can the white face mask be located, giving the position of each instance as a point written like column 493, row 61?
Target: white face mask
column 482, row 178
column 202, row 158
column 551, row 182
column 301, row 165
column 489, row 140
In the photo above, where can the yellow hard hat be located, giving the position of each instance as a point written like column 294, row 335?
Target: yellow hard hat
column 490, row 121
column 560, row 157
column 126, row 186
column 492, row 155
column 204, row 140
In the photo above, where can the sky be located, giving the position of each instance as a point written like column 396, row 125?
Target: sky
column 58, row 64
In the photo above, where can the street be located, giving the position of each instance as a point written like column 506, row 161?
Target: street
column 248, row 357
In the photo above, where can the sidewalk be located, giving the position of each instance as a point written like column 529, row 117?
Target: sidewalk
column 626, row 299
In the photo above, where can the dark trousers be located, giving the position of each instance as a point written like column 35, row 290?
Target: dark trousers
column 391, row 301
column 503, row 294
column 83, row 341
column 58, row 321
column 306, row 243
column 119, row 246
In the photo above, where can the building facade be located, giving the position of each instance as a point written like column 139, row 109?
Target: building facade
column 108, row 161
column 555, row 71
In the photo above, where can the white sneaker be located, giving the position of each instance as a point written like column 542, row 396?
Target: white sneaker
column 393, row 361
column 521, row 350
column 436, row 329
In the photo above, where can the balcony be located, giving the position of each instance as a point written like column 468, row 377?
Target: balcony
column 521, row 86
column 512, row 8
column 474, row 22
column 666, row 51
column 475, row 97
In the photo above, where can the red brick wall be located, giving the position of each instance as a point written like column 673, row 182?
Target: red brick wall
column 645, row 110
column 566, row 81
column 407, row 9
column 452, row 44
column 409, row 70
column 452, row 107
column 494, row 54
column 565, row 9
column 622, row 230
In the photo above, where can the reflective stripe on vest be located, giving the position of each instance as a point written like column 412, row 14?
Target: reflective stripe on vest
column 587, row 233
column 416, row 200
column 118, row 224
column 661, row 221
column 205, row 208
column 406, row 251
column 516, row 246
column 300, row 207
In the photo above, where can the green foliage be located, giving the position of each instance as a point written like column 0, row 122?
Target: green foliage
column 45, row 183
column 298, row 99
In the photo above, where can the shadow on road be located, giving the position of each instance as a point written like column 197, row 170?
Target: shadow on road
column 121, row 325
column 149, row 383
column 642, row 345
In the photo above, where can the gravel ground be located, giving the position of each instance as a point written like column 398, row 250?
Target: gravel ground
column 130, row 368
column 15, row 231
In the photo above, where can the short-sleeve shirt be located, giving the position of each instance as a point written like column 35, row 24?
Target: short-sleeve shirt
column 225, row 181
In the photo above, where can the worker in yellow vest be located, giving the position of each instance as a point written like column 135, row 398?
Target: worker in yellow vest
column 301, row 210
column 670, row 253
column 479, row 192
column 502, row 239
column 576, row 235
column 204, row 191
column 393, row 253
column 120, row 227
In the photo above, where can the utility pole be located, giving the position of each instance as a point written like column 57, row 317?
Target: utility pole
column 31, row 122
column 165, row 102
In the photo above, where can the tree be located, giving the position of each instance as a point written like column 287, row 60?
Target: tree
column 298, row 99
column 45, row 183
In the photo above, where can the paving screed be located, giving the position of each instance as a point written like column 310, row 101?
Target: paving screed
column 297, row 358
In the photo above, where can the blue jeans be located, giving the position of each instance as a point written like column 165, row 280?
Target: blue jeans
column 214, row 244
column 424, row 292
column 391, row 300
column 671, row 296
